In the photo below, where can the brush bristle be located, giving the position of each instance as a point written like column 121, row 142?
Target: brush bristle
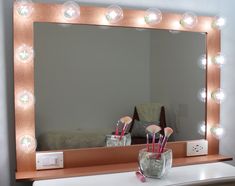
column 126, row 120
column 153, row 129
column 168, row 131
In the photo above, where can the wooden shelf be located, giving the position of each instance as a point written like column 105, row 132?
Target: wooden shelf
column 112, row 168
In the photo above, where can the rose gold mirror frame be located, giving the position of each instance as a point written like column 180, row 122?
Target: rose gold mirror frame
column 24, row 80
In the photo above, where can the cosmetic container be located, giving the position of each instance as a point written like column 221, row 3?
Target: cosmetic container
column 155, row 165
column 114, row 140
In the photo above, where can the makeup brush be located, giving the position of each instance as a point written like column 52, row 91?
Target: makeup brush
column 167, row 131
column 126, row 120
column 153, row 129
column 140, row 176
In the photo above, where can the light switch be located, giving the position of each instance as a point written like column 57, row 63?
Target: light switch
column 49, row 160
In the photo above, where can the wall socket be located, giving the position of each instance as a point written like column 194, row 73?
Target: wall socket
column 197, row 147
column 51, row 160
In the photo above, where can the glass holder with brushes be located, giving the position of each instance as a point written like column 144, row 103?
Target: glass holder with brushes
column 116, row 140
column 154, row 164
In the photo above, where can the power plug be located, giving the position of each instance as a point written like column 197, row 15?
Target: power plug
column 197, row 147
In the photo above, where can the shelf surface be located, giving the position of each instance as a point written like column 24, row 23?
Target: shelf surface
column 193, row 175
column 111, row 168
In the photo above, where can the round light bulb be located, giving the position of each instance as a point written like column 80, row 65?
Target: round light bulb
column 114, row 13
column 202, row 95
column 24, row 53
column 24, row 7
column 202, row 128
column 28, row 143
column 219, row 60
column 71, row 10
column 153, row 16
column 218, row 22
column 188, row 20
column 218, row 95
column 25, row 99
column 202, row 62
column 217, row 131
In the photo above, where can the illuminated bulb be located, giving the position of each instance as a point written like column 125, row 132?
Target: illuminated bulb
column 218, row 96
column 219, row 60
column 114, row 13
column 24, row 7
column 218, row 22
column 202, row 62
column 71, row 10
column 24, row 53
column 25, row 99
column 202, row 95
column 153, row 16
column 202, row 128
column 188, row 20
column 28, row 143
column 217, row 131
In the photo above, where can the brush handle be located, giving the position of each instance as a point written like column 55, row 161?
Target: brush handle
column 123, row 132
column 163, row 144
column 160, row 143
column 140, row 176
column 153, row 143
column 147, row 139
column 117, row 129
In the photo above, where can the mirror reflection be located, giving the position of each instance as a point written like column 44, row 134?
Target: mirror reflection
column 87, row 78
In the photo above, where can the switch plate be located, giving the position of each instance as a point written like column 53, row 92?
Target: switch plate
column 197, row 147
column 49, row 160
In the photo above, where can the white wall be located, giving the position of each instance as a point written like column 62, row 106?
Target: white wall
column 176, row 79
column 6, row 96
column 205, row 7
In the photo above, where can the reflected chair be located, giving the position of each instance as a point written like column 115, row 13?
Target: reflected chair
column 144, row 114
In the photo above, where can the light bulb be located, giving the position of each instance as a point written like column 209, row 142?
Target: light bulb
column 218, row 22
column 25, row 99
column 202, row 62
column 202, row 95
column 71, row 10
column 24, row 7
column 28, row 143
column 188, row 20
column 219, row 60
column 24, row 53
column 114, row 13
column 218, row 95
column 217, row 131
column 153, row 16
column 202, row 128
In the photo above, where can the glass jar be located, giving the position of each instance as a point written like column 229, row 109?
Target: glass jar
column 114, row 140
column 155, row 165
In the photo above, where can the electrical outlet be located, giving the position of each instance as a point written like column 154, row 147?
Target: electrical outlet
column 51, row 160
column 197, row 147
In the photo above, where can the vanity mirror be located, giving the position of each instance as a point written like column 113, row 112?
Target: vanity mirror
column 87, row 77
column 34, row 51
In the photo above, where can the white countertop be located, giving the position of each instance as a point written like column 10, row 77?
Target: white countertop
column 178, row 176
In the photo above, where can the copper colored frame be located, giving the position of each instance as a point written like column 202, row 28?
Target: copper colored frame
column 24, row 80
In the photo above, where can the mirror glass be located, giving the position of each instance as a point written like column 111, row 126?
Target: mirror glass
column 88, row 77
